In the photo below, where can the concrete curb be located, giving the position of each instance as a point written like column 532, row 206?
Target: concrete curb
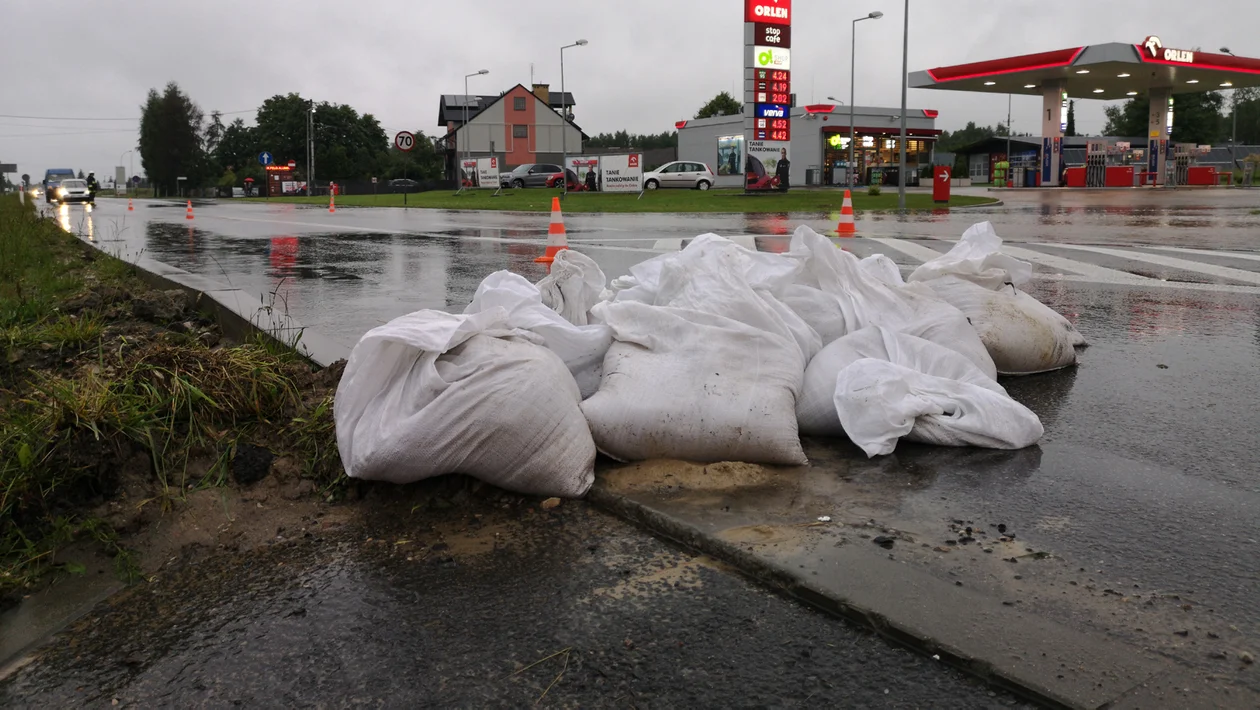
column 239, row 314
column 997, row 644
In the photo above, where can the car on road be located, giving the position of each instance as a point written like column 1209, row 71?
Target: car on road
column 680, row 173
column 72, row 191
column 52, row 179
column 575, row 184
column 531, row 175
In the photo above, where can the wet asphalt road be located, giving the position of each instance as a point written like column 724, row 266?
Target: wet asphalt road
column 498, row 610
column 1147, row 474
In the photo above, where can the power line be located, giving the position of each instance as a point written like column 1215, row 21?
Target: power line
column 75, row 133
column 83, row 118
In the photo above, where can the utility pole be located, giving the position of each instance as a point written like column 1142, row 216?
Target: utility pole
column 905, row 67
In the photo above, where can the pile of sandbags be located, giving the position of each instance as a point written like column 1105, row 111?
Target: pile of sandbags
column 713, row 353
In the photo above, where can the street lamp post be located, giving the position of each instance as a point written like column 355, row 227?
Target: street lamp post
column 310, row 149
column 1233, row 136
column 564, row 127
column 905, row 67
column 465, row 140
column 852, row 79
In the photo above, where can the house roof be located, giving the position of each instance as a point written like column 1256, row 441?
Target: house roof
column 458, row 108
column 451, row 106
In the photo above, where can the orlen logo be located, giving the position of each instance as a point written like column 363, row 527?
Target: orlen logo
column 1158, row 51
column 775, row 12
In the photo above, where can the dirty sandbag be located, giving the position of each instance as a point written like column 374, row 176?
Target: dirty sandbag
column 879, row 402
column 689, row 385
column 864, row 300
column 977, row 257
column 432, row 393
column 573, row 286
column 816, row 413
column 1022, row 335
column 581, row 347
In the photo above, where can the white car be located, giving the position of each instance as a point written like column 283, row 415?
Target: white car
column 73, row 191
column 680, row 173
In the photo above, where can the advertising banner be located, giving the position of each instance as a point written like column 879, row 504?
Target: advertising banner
column 621, row 173
column 772, row 58
column 468, row 172
column 730, row 155
column 581, row 165
column 763, row 161
column 775, row 12
column 488, row 172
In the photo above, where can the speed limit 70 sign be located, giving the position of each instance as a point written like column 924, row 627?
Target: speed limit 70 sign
column 404, row 141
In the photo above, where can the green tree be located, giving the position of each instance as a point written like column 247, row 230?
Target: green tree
column 1247, row 102
column 347, row 146
column 80, row 176
column 721, row 105
column 238, row 146
column 1071, row 119
column 1196, row 118
column 622, row 139
column 951, row 142
column 423, row 162
column 171, row 139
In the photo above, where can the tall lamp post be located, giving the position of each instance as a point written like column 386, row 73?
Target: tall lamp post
column 564, row 114
column 852, row 79
column 905, row 67
column 310, row 149
column 1233, row 136
column 464, row 128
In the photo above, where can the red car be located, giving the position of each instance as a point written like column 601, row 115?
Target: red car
column 575, row 185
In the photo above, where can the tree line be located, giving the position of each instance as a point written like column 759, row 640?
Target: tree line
column 177, row 140
column 1204, row 119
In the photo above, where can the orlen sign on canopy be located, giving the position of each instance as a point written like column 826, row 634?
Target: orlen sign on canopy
column 774, row 12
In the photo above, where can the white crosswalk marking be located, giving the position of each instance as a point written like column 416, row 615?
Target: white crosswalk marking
column 1250, row 256
column 1223, row 272
column 910, row 249
column 1098, row 273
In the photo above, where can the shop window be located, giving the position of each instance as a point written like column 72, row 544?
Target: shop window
column 520, row 131
column 518, row 103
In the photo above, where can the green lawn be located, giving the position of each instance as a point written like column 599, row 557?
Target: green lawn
column 539, row 200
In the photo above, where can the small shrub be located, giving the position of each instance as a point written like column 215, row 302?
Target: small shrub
column 873, row 190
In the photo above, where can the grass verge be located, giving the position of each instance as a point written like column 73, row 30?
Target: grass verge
column 107, row 384
column 539, row 200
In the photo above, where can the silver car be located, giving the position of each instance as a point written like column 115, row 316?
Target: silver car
column 73, row 191
column 680, row 173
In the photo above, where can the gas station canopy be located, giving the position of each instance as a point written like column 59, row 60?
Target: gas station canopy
column 1106, row 72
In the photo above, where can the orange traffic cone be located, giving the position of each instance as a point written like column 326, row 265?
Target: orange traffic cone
column 556, row 239
column 188, row 214
column 331, row 201
column 846, row 227
column 129, row 206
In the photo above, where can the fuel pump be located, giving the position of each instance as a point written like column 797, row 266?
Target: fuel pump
column 1095, row 164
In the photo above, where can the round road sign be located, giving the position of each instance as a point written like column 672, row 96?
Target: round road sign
column 404, row 141
column 292, row 164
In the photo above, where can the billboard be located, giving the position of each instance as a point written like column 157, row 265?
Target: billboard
column 730, row 155
column 488, row 172
column 769, row 153
column 621, row 173
column 583, row 164
column 772, row 58
column 468, row 172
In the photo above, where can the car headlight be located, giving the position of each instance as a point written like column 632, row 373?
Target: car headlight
column 61, row 192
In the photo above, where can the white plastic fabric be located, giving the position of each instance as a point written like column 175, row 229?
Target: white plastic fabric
column 573, row 286
column 977, row 257
column 1022, row 335
column 680, row 383
column 432, row 393
column 863, row 298
column 879, row 402
column 816, row 412
column 581, row 347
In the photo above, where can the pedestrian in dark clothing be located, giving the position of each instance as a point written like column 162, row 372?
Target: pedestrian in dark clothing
column 590, row 179
column 782, row 171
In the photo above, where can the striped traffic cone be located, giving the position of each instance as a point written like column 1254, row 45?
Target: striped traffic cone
column 846, row 227
column 556, row 238
column 331, row 203
column 188, row 213
column 130, row 208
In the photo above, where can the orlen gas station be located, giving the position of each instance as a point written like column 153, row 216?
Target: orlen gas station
column 1107, row 72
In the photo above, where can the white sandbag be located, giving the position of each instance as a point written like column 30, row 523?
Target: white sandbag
column 819, row 310
column 879, row 402
column 977, row 258
column 581, row 347
column 864, row 300
column 684, row 384
column 816, row 413
column 432, row 393
column 1022, row 335
column 883, row 269
column 573, row 286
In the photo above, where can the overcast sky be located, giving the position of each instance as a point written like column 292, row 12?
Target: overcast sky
column 648, row 64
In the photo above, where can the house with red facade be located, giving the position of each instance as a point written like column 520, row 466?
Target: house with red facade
column 520, row 126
